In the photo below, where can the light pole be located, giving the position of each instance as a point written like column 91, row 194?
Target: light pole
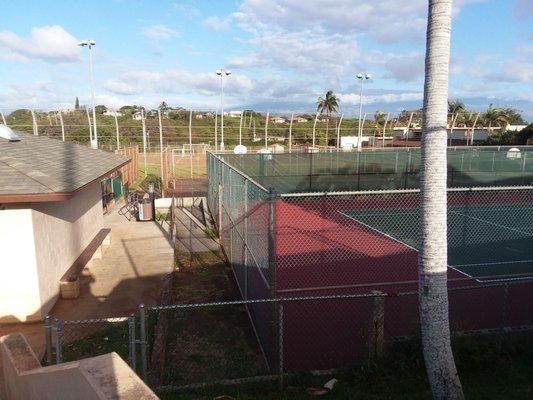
column 222, row 72
column 362, row 78
column 90, row 43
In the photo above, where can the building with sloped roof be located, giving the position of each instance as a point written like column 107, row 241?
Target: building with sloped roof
column 50, row 211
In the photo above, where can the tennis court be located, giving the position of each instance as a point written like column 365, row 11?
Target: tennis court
column 305, row 239
column 486, row 241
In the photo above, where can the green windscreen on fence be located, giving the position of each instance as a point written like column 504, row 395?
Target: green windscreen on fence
column 383, row 169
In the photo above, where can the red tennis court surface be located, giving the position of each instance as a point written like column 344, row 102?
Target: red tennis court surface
column 320, row 251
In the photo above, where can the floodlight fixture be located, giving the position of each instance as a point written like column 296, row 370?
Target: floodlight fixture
column 362, row 77
column 90, row 43
column 222, row 72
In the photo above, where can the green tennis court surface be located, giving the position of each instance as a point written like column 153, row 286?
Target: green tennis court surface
column 484, row 241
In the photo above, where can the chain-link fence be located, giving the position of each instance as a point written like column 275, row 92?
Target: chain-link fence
column 383, row 169
column 366, row 242
column 70, row 340
column 326, row 280
column 191, row 346
column 245, row 219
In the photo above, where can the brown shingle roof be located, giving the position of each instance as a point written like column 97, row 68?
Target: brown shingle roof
column 40, row 167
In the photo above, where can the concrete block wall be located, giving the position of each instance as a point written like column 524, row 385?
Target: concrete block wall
column 40, row 241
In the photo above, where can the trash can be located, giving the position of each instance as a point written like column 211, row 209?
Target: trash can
column 145, row 209
column 146, row 205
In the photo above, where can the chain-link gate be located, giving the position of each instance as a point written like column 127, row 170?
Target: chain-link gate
column 70, row 340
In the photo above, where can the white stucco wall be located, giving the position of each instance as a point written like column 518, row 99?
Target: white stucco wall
column 52, row 236
column 62, row 230
column 18, row 279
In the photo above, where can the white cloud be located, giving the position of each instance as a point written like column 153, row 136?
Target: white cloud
column 515, row 71
column 121, row 87
column 383, row 20
column 323, row 35
column 353, row 98
column 175, row 81
column 247, row 61
column 216, row 23
column 110, row 101
column 387, row 21
column 159, row 32
column 304, row 51
column 47, row 43
column 523, row 9
column 515, row 67
column 405, row 67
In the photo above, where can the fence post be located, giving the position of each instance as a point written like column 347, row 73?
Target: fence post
column 230, row 217
column 272, row 239
column 132, row 349
column 311, row 158
column 280, row 346
column 144, row 363
column 220, row 212
column 172, row 218
column 246, row 248
column 48, row 338
column 34, row 122
column 62, row 125
column 376, row 335
column 272, row 272
column 59, row 350
column 117, row 131
column 505, row 306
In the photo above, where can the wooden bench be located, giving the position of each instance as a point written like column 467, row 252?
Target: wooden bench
column 69, row 283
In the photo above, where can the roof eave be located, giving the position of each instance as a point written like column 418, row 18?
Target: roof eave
column 53, row 196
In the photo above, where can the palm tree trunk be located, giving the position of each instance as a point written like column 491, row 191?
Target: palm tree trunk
column 432, row 260
column 327, row 129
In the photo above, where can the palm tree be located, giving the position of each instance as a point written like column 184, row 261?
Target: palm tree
column 455, row 107
column 496, row 116
column 432, row 258
column 379, row 119
column 327, row 105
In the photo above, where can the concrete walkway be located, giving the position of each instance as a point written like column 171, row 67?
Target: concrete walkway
column 129, row 273
column 190, row 234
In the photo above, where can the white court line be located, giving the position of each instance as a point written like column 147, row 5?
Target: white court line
column 492, row 223
column 378, row 231
column 416, row 211
column 399, row 241
column 454, row 267
column 495, row 263
column 380, row 213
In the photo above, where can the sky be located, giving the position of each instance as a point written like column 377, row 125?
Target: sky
column 283, row 54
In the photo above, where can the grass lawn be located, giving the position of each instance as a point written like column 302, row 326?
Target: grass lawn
column 182, row 167
column 497, row 367
column 82, row 341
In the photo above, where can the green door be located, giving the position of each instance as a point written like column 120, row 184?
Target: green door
column 116, row 184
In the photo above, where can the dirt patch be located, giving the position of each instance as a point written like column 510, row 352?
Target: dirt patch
column 203, row 277
column 205, row 344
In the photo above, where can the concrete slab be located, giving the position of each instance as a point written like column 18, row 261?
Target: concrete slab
column 129, row 273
